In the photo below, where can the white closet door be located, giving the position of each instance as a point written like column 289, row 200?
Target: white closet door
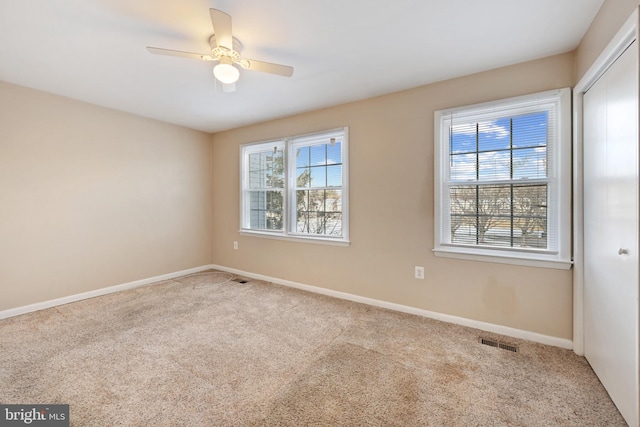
column 611, row 231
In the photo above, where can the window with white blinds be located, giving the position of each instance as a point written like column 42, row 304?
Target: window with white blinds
column 264, row 186
column 502, row 175
column 296, row 187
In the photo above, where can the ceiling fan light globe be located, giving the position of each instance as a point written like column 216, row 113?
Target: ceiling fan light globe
column 226, row 73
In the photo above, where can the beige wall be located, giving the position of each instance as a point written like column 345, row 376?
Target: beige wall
column 91, row 197
column 391, row 177
column 605, row 25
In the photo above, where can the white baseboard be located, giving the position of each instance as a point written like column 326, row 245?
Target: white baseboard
column 483, row 326
column 98, row 292
column 489, row 327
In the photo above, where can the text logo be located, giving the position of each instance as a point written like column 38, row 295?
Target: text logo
column 34, row 415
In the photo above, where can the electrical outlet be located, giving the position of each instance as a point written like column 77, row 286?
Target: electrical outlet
column 419, row 272
column 235, row 245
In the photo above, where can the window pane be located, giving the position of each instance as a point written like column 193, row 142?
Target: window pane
column 319, row 176
column 530, row 215
column 319, row 212
column 317, row 222
column 257, row 200
column 479, row 214
column 334, row 153
column 530, row 163
column 530, row 130
column 307, row 204
column 265, row 210
column 266, row 170
column 333, row 201
column 499, row 215
column 275, row 170
column 501, row 154
column 255, row 161
column 274, row 220
column 333, row 226
column 494, row 135
column 462, row 202
column 492, row 210
column 463, row 167
column 309, row 200
column 462, row 138
column 256, row 179
column 302, row 223
column 495, row 165
column 334, row 176
column 315, row 200
column 302, row 156
column 274, row 201
column 318, row 155
column 303, row 177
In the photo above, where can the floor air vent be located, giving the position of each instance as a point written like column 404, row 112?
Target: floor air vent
column 498, row 344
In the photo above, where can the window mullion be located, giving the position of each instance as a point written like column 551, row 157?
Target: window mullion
column 477, row 186
column 291, row 186
column 511, row 195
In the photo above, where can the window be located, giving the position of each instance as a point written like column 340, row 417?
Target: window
column 264, row 186
column 502, row 181
column 296, row 188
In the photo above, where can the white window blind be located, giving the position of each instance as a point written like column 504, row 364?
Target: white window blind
column 264, row 177
column 501, row 171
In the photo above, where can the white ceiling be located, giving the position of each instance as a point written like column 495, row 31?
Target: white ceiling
column 342, row 50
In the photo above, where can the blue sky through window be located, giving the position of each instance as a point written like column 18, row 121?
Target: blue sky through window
column 323, row 162
column 506, row 148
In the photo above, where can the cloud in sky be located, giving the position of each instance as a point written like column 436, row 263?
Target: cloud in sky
column 496, row 144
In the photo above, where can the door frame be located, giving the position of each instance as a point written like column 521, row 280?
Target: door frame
column 620, row 42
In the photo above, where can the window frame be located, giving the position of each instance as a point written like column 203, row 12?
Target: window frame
column 289, row 145
column 558, row 180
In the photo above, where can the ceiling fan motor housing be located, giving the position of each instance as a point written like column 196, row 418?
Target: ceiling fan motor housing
column 220, row 51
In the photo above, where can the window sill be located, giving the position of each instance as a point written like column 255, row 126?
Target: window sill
column 529, row 260
column 296, row 238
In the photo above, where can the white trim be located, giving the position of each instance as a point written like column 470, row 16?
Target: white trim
column 475, row 254
column 621, row 41
column 578, row 228
column 98, row 292
column 488, row 327
column 296, row 238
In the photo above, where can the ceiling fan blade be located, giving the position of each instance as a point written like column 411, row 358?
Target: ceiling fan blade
column 266, row 67
column 169, row 52
column 222, row 28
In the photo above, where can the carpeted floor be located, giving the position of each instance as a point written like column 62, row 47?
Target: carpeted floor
column 196, row 352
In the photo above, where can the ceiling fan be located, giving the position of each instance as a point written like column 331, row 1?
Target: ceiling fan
column 225, row 49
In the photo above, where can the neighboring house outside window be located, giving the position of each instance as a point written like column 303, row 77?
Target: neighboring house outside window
column 503, row 181
column 296, row 187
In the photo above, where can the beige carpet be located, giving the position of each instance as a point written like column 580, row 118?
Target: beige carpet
column 190, row 352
